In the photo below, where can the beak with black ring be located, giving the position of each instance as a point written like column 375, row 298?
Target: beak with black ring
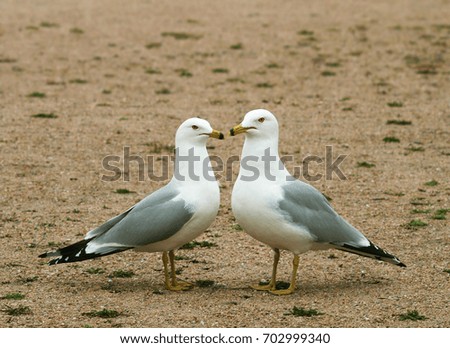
column 215, row 134
column 239, row 129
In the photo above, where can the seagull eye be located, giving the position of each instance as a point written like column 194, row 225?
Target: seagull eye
column 194, row 127
column 261, row 120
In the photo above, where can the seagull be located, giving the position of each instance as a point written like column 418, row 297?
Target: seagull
column 167, row 218
column 285, row 213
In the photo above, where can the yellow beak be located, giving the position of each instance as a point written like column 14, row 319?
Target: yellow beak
column 239, row 129
column 216, row 134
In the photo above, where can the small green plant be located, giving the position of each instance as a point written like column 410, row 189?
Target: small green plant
column 361, row 27
column 395, row 104
column 420, row 211
column 49, row 25
column 349, row 108
column 152, row 71
column 418, row 201
column 121, row 274
column 156, row 147
column 441, row 26
column 181, row 36
column 411, row 60
column 29, row 279
column 204, row 283
column 365, row 165
column 302, row 312
column 382, row 83
column 333, row 64
column 415, row 149
column 431, row 183
column 273, row 66
column 8, row 60
column 36, row 95
column 265, row 85
column 13, row 296
column 44, row 115
column 183, row 72
column 412, row 315
column 220, row 71
column 77, row 31
column 440, row 214
column 163, row 91
column 202, row 244
column 328, row 73
column 78, row 81
column 237, row 46
column 391, row 140
column 305, row 32
column 16, row 311
column 152, row 45
column 106, row 91
column 356, row 53
column 416, row 223
column 427, row 71
column 93, row 270
column 399, row 122
column 123, row 191
column 447, row 270
column 104, row 313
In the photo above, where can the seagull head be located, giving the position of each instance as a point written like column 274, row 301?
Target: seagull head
column 257, row 123
column 196, row 131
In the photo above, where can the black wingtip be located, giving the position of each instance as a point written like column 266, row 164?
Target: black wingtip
column 372, row 251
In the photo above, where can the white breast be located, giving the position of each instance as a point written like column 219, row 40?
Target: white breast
column 255, row 206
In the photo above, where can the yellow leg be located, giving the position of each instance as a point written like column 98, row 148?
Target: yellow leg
column 177, row 283
column 170, row 281
column 273, row 281
column 165, row 260
column 291, row 288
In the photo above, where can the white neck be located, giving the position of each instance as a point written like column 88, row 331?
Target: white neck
column 192, row 164
column 260, row 160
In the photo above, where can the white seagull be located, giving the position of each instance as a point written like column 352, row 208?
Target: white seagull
column 166, row 219
column 283, row 212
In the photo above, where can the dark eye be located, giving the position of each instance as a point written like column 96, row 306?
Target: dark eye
column 194, row 127
column 261, row 120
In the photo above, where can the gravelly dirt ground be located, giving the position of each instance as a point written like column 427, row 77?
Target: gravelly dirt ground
column 118, row 74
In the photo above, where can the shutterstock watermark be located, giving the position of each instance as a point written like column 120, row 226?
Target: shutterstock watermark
column 162, row 167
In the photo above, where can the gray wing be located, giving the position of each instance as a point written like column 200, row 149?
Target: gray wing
column 307, row 207
column 107, row 225
column 155, row 218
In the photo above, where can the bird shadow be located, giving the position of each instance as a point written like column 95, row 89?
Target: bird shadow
column 155, row 285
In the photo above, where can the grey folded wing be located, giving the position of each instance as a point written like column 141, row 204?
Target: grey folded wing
column 155, row 218
column 306, row 207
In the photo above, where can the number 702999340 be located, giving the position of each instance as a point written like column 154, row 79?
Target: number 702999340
column 296, row 338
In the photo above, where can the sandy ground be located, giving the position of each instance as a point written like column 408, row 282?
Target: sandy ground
column 116, row 74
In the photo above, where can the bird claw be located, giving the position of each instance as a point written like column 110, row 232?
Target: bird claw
column 266, row 287
column 179, row 286
column 282, row 292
